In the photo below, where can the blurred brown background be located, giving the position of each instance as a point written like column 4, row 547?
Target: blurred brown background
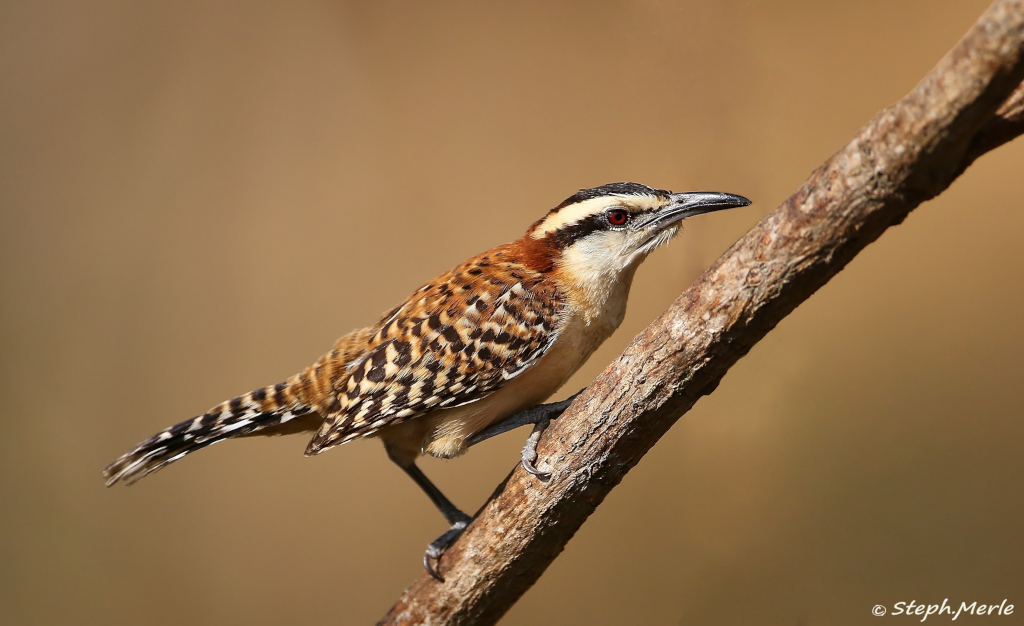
column 198, row 198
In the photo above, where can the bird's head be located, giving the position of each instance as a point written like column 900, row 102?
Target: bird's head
column 606, row 232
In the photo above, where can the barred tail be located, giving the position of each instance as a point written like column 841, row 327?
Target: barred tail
column 261, row 409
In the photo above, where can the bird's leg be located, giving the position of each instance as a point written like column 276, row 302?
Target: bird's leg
column 532, row 415
column 452, row 513
column 540, row 416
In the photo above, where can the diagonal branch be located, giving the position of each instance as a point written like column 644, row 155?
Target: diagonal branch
column 909, row 153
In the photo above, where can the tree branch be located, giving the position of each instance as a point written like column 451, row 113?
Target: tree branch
column 909, row 153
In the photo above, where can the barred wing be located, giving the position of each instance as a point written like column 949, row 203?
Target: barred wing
column 454, row 341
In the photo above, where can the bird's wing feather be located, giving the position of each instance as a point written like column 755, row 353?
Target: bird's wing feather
column 453, row 342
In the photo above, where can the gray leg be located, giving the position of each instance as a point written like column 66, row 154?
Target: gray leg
column 455, row 517
column 540, row 416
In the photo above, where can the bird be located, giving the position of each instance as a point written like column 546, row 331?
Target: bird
column 469, row 355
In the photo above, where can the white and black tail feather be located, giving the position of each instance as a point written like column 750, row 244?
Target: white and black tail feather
column 240, row 416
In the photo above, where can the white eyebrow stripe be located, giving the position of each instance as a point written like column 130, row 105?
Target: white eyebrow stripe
column 575, row 213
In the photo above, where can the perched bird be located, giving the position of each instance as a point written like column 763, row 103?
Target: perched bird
column 468, row 355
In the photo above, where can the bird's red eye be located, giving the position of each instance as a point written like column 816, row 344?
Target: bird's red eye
column 617, row 217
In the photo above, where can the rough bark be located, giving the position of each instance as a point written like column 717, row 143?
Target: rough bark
column 909, row 153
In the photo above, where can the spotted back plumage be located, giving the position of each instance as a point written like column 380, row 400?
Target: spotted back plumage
column 454, row 341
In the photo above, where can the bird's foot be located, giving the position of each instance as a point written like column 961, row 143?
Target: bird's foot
column 530, row 450
column 437, row 547
column 551, row 411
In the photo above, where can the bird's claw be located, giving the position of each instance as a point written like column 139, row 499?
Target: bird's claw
column 427, row 565
column 529, row 467
column 530, row 450
column 432, row 557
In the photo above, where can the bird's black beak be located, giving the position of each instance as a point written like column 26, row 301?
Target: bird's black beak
column 684, row 205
